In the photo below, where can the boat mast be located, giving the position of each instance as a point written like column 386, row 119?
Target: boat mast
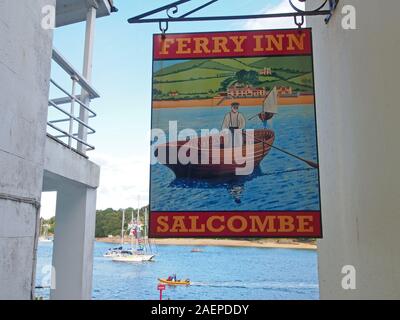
column 131, row 230
column 146, row 234
column 137, row 224
column 41, row 228
column 122, row 227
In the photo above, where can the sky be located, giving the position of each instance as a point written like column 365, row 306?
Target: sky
column 122, row 68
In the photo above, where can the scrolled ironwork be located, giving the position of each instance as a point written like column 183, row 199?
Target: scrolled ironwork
column 172, row 10
column 324, row 2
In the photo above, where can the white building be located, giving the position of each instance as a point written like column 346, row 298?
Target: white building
column 40, row 154
column 356, row 78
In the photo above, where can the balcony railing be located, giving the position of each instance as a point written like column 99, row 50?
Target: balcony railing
column 66, row 123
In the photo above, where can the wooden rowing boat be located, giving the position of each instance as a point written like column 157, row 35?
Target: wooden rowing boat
column 212, row 148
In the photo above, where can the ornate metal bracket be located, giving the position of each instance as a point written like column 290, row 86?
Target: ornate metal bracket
column 325, row 8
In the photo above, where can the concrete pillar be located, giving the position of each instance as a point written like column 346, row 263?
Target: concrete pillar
column 25, row 57
column 87, row 69
column 357, row 94
column 73, row 242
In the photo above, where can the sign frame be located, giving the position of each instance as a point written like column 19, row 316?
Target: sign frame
column 317, row 233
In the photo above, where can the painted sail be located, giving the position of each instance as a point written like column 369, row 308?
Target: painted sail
column 270, row 104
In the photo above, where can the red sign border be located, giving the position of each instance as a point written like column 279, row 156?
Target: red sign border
column 216, row 56
column 316, row 234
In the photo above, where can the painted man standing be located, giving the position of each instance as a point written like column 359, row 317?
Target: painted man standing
column 234, row 119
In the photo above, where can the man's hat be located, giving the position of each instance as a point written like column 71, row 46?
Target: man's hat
column 235, row 104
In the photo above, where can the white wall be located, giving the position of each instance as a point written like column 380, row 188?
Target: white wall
column 358, row 113
column 25, row 51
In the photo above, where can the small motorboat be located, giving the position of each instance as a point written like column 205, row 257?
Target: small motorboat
column 175, row 282
column 206, row 148
column 196, row 250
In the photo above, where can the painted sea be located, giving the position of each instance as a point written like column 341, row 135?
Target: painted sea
column 279, row 183
column 216, row 273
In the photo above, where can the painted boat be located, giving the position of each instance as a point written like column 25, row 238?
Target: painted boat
column 175, row 283
column 207, row 148
column 265, row 116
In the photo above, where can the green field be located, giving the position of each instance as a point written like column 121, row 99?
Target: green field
column 299, row 64
column 203, row 77
column 195, row 73
column 190, row 87
column 305, row 79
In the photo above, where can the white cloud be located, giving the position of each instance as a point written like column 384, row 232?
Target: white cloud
column 122, row 180
column 275, row 23
column 48, row 205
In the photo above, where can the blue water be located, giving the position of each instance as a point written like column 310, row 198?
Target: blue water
column 279, row 183
column 217, row 273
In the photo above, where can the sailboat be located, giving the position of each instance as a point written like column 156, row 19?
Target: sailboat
column 114, row 252
column 270, row 106
column 142, row 251
column 44, row 229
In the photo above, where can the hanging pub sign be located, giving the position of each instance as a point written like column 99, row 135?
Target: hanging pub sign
column 234, row 145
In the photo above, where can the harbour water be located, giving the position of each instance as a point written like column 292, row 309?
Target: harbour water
column 216, row 273
column 279, row 183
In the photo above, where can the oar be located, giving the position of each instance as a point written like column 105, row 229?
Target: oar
column 309, row 162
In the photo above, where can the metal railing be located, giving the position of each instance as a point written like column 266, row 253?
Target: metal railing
column 66, row 126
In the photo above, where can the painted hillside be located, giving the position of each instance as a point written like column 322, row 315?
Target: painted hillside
column 207, row 78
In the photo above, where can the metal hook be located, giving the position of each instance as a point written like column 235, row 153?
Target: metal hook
column 163, row 30
column 299, row 23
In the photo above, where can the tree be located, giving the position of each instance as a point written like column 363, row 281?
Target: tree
column 108, row 221
column 247, row 77
column 224, row 84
